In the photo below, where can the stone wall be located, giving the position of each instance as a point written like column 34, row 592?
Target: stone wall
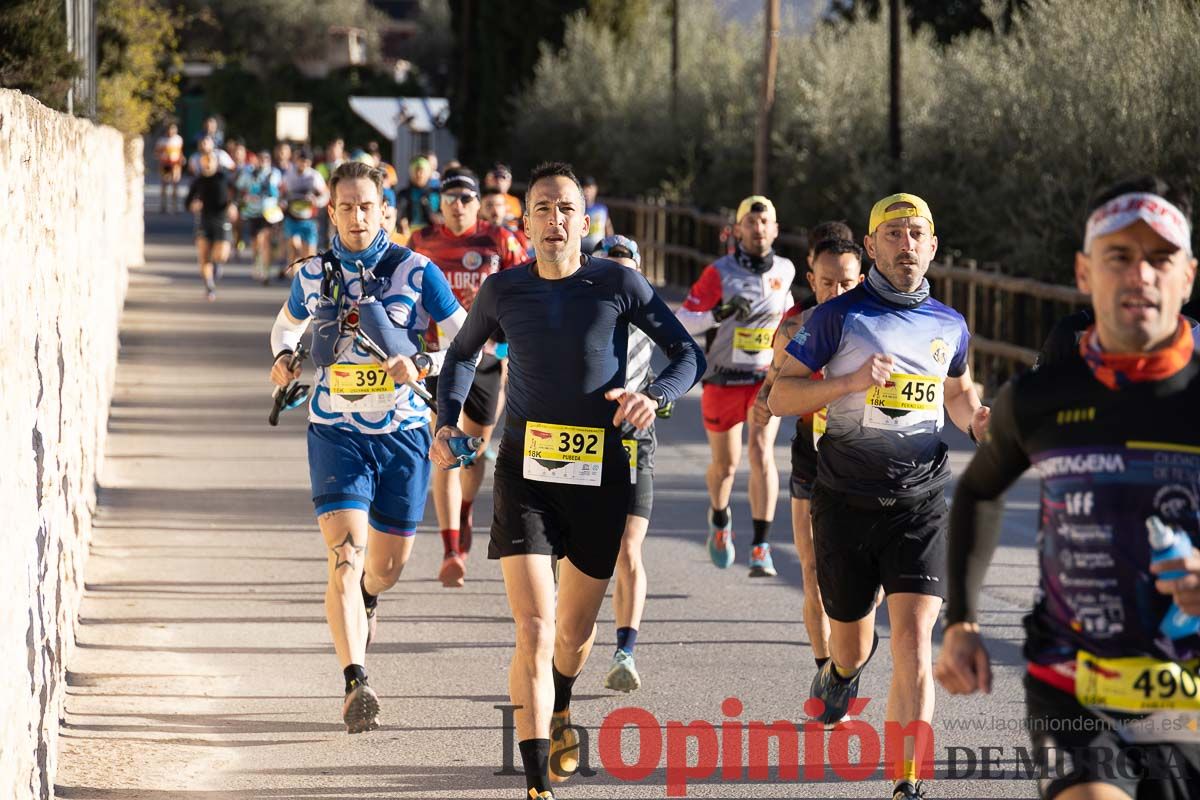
column 72, row 225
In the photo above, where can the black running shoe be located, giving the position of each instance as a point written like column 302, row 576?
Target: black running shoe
column 835, row 691
column 909, row 790
column 360, row 711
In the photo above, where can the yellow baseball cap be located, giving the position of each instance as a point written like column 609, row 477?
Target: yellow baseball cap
column 747, row 204
column 880, row 214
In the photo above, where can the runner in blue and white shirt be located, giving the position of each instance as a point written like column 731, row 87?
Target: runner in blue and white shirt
column 368, row 433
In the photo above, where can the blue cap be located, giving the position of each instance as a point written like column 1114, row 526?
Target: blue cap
column 623, row 245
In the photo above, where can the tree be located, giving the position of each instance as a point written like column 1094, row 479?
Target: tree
column 622, row 17
column 268, row 34
column 496, row 51
column 138, row 78
column 946, row 18
column 33, row 50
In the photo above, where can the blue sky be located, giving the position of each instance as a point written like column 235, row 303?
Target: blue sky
column 795, row 13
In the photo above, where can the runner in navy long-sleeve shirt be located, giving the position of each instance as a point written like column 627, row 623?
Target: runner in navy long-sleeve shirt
column 562, row 477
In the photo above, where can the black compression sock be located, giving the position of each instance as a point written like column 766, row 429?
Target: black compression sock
column 562, row 689
column 369, row 600
column 720, row 519
column 762, row 528
column 820, row 662
column 355, row 674
column 535, row 756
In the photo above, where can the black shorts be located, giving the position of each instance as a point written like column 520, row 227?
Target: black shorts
column 214, row 227
column 1083, row 747
column 254, row 225
column 641, row 502
column 861, row 544
column 804, row 462
column 483, row 401
column 581, row 523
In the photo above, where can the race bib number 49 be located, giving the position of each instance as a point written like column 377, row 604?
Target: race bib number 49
column 361, row 387
column 903, row 401
column 752, row 345
column 563, row 454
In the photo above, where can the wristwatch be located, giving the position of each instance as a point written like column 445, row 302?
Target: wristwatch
column 656, row 394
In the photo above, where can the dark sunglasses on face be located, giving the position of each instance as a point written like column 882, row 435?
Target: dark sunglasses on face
column 460, row 197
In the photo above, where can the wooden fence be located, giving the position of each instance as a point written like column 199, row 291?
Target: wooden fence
column 1008, row 317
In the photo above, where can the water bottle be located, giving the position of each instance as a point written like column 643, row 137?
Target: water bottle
column 1167, row 543
column 464, row 448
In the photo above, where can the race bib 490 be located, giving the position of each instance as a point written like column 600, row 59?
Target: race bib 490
column 563, row 454
column 1138, row 684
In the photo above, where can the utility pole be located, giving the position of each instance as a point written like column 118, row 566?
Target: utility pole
column 762, row 145
column 897, row 150
column 81, row 43
column 674, row 60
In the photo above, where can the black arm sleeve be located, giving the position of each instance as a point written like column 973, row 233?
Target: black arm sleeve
column 458, row 370
column 978, row 509
column 1063, row 340
column 653, row 316
column 193, row 189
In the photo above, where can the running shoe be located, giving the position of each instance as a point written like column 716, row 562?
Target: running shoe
column 835, row 691
column 720, row 545
column 453, row 571
column 564, row 747
column 761, row 565
column 909, row 790
column 210, row 292
column 533, row 795
column 360, row 711
column 622, row 675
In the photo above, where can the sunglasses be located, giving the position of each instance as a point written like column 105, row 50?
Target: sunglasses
column 460, row 197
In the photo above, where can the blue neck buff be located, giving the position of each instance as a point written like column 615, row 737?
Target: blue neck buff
column 883, row 287
column 356, row 260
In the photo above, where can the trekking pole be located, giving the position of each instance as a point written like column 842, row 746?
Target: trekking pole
column 292, row 395
column 378, row 353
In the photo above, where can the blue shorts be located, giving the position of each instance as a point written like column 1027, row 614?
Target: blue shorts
column 384, row 474
column 306, row 229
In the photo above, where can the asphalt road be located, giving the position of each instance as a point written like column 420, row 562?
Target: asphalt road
column 204, row 667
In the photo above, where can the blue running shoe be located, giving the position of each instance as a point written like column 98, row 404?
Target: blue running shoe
column 761, row 565
column 720, row 545
column 622, row 675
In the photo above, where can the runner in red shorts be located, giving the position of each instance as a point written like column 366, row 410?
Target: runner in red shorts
column 467, row 250
column 738, row 302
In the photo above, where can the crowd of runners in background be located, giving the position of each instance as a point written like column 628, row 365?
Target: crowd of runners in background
column 267, row 205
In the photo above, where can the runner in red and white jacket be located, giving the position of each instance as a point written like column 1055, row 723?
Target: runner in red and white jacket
column 743, row 296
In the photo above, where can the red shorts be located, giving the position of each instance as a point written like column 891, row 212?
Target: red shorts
column 723, row 407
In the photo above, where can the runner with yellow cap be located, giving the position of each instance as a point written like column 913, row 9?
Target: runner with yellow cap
column 894, row 362
column 743, row 295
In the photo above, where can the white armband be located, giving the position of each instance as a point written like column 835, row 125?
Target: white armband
column 286, row 332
